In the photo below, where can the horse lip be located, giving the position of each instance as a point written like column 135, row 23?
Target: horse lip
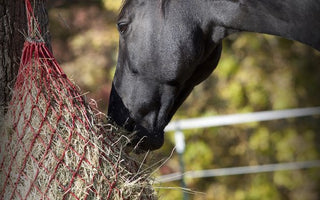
column 129, row 124
column 143, row 139
column 147, row 141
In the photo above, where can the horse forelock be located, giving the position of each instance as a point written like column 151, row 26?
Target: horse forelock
column 125, row 3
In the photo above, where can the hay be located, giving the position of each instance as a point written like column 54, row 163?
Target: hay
column 54, row 146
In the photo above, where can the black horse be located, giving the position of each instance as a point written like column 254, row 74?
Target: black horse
column 167, row 47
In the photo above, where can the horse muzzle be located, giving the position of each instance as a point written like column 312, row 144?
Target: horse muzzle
column 143, row 139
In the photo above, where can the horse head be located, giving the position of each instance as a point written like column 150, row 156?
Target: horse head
column 167, row 47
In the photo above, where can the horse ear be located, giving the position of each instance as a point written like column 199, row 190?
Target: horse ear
column 292, row 19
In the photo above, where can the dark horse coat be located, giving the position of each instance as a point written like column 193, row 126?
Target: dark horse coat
column 169, row 46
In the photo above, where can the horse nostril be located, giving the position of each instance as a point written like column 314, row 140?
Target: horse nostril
column 143, row 111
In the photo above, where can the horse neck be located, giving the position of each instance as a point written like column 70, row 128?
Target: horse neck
column 292, row 19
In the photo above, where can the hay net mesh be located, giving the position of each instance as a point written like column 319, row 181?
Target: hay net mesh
column 53, row 146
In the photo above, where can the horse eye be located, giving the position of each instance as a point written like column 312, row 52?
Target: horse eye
column 122, row 27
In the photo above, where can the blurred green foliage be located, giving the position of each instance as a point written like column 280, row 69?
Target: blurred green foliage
column 256, row 72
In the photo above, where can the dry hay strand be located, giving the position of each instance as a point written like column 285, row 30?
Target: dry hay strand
column 54, row 146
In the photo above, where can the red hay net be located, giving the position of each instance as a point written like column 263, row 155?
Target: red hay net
column 54, row 146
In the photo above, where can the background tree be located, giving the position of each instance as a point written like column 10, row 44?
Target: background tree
column 13, row 29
